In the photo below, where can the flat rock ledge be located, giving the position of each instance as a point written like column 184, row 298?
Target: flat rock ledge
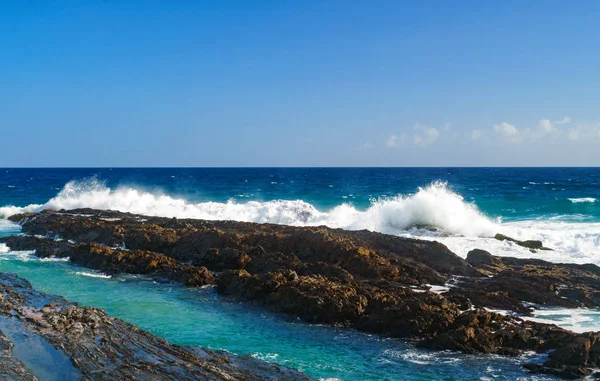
column 359, row 279
column 99, row 347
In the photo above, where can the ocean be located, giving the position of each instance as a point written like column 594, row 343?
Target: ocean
column 460, row 207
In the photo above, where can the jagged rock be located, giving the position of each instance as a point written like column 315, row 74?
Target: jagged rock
column 484, row 260
column 113, row 260
column 512, row 281
column 530, row 244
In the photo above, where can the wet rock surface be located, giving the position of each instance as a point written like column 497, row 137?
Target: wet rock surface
column 532, row 245
column 12, row 369
column 104, row 348
column 368, row 281
column 510, row 281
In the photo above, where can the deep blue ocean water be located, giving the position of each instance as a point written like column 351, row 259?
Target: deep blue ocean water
column 461, row 207
column 513, row 193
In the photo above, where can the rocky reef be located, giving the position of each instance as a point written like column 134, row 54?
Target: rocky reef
column 530, row 244
column 91, row 345
column 364, row 280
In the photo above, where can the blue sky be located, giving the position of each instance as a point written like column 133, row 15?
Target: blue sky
column 299, row 83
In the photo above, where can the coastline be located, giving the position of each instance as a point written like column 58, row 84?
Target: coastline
column 368, row 281
column 47, row 336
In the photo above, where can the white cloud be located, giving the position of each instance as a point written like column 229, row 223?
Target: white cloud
column 425, row 135
column 584, row 132
column 548, row 132
column 565, row 120
column 476, row 134
column 368, row 145
column 508, row 131
column 392, row 141
column 546, row 125
column 574, row 134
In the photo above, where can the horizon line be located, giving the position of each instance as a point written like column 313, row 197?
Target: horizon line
column 296, row 167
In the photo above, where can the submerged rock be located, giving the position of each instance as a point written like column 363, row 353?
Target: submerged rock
column 530, row 244
column 368, row 281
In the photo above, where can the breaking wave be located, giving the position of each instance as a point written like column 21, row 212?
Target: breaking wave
column 93, row 275
column 434, row 212
column 25, row 256
column 434, row 206
column 583, row 199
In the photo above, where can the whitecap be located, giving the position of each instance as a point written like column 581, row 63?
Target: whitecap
column 420, row 358
column 25, row 255
column 583, row 199
column 434, row 212
column 575, row 319
column 93, row 275
column 433, row 206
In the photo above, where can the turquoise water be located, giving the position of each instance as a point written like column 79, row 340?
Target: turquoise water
column 188, row 316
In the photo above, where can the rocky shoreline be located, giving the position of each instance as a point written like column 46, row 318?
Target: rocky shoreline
column 96, row 346
column 368, row 281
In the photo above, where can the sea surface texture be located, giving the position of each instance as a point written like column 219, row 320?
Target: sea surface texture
column 460, row 207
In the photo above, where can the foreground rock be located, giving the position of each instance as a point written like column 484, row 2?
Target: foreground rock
column 104, row 348
column 369, row 281
column 11, row 368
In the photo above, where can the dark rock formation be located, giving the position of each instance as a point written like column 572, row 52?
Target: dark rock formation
column 104, row 348
column 530, row 244
column 369, row 281
column 511, row 281
column 114, row 261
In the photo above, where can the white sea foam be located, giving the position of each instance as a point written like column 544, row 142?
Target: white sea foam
column 25, row 256
column 571, row 242
column 583, row 199
column 53, row 259
column 93, row 275
column 435, row 206
column 438, row 289
column 418, row 357
column 8, row 226
column 574, row 319
column 461, row 226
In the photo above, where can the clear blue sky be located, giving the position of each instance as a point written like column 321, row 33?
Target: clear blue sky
column 299, row 83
